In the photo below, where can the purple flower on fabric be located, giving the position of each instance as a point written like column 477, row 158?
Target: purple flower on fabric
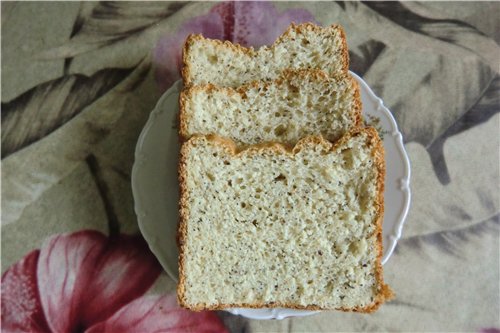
column 252, row 23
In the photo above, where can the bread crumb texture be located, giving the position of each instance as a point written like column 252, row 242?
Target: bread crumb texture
column 301, row 46
column 299, row 103
column 268, row 226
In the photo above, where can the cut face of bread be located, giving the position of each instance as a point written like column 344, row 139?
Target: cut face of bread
column 299, row 103
column 301, row 46
column 272, row 227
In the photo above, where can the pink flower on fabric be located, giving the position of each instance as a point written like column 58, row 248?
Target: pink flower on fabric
column 86, row 282
column 249, row 23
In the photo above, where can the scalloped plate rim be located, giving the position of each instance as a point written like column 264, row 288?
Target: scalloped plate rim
column 153, row 241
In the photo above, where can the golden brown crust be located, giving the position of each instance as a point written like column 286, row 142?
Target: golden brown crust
column 358, row 105
column 182, row 231
column 184, row 97
column 378, row 153
column 345, row 50
column 249, row 51
column 185, row 71
column 384, row 292
column 287, row 75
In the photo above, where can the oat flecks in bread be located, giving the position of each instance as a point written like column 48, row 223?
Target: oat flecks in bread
column 301, row 46
column 273, row 227
column 297, row 104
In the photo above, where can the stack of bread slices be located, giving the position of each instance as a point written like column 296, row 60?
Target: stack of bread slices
column 281, row 184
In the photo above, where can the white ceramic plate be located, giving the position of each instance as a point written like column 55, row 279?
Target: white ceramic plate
column 156, row 190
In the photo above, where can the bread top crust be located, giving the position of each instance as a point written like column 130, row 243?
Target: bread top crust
column 384, row 292
column 251, row 52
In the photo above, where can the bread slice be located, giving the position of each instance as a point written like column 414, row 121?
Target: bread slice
column 299, row 103
column 273, row 227
column 231, row 65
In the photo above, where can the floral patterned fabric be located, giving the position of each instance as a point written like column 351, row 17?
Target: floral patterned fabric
column 79, row 81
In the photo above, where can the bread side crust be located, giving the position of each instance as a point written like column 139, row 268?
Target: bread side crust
column 384, row 291
column 378, row 153
column 184, row 97
column 357, row 115
column 345, row 53
column 182, row 231
column 287, row 75
column 250, row 52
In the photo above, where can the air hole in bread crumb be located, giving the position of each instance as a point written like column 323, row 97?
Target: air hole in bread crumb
column 226, row 163
column 281, row 177
column 280, row 130
column 213, row 59
column 353, row 247
column 243, row 205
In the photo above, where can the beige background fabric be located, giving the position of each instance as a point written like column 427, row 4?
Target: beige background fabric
column 77, row 100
